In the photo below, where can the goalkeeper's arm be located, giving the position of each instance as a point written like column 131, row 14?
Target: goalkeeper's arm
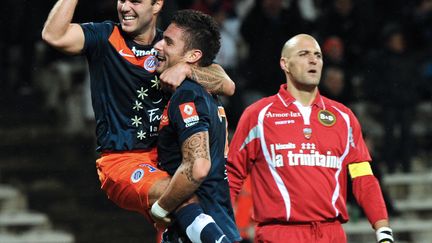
column 367, row 192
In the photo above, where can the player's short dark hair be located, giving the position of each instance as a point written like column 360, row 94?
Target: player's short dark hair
column 201, row 32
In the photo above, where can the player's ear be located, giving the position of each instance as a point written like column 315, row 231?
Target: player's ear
column 157, row 5
column 193, row 56
column 283, row 62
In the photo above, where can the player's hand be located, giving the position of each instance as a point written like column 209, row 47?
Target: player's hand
column 384, row 235
column 160, row 216
column 172, row 77
column 161, row 223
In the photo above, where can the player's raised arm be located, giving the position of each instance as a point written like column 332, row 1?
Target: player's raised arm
column 213, row 78
column 58, row 30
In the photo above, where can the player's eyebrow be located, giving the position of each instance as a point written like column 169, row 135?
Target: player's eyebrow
column 168, row 40
column 318, row 53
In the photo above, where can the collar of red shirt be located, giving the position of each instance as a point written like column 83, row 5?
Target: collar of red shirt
column 288, row 99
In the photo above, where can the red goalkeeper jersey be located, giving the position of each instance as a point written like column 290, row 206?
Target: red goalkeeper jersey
column 297, row 157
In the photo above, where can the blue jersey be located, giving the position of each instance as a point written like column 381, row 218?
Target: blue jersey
column 126, row 96
column 192, row 109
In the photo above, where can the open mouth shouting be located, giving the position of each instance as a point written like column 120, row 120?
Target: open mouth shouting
column 160, row 63
column 161, row 59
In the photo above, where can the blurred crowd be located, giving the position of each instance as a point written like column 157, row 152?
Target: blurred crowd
column 377, row 59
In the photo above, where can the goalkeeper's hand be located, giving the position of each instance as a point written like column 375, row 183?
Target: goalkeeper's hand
column 384, row 235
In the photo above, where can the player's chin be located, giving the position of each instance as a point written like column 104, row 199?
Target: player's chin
column 314, row 79
column 160, row 68
column 128, row 28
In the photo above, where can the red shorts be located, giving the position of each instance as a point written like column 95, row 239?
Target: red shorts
column 315, row 232
column 126, row 178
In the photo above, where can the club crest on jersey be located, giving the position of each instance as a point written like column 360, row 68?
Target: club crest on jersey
column 150, row 63
column 189, row 114
column 326, row 118
column 164, row 120
column 307, row 132
column 221, row 113
column 137, row 175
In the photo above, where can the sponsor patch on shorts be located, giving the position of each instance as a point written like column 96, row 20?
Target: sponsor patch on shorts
column 137, row 175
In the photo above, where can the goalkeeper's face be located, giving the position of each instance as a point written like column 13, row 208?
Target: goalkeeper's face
column 302, row 61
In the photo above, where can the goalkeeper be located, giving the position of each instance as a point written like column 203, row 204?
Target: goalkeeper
column 298, row 148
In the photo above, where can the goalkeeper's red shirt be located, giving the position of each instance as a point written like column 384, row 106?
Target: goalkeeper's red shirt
column 297, row 157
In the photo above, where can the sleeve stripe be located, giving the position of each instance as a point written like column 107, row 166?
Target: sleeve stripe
column 359, row 169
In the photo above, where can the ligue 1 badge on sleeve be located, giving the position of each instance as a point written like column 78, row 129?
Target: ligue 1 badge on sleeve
column 326, row 118
column 307, row 132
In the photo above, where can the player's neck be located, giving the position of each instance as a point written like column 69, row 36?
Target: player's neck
column 304, row 95
column 147, row 37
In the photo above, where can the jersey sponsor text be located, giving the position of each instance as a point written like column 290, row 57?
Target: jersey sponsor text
column 313, row 158
column 282, row 115
column 141, row 53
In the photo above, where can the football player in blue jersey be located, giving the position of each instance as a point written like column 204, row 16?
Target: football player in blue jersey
column 126, row 93
column 193, row 138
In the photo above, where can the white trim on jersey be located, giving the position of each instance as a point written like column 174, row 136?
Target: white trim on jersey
column 281, row 186
column 253, row 133
column 306, row 111
column 282, row 100
column 342, row 158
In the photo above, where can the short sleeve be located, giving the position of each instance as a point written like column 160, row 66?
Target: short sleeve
column 96, row 37
column 188, row 113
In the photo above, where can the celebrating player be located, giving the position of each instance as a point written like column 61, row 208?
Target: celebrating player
column 126, row 93
column 192, row 142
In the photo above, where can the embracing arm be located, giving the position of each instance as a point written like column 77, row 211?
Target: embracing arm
column 213, row 78
column 58, row 30
column 191, row 173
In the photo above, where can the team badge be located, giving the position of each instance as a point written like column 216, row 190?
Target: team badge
column 137, row 175
column 189, row 114
column 307, row 132
column 150, row 63
column 326, row 118
column 221, row 113
column 164, row 119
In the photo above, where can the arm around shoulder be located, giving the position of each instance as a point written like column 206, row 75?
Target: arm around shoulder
column 214, row 79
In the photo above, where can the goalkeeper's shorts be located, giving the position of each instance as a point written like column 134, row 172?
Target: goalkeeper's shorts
column 126, row 178
column 320, row 232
